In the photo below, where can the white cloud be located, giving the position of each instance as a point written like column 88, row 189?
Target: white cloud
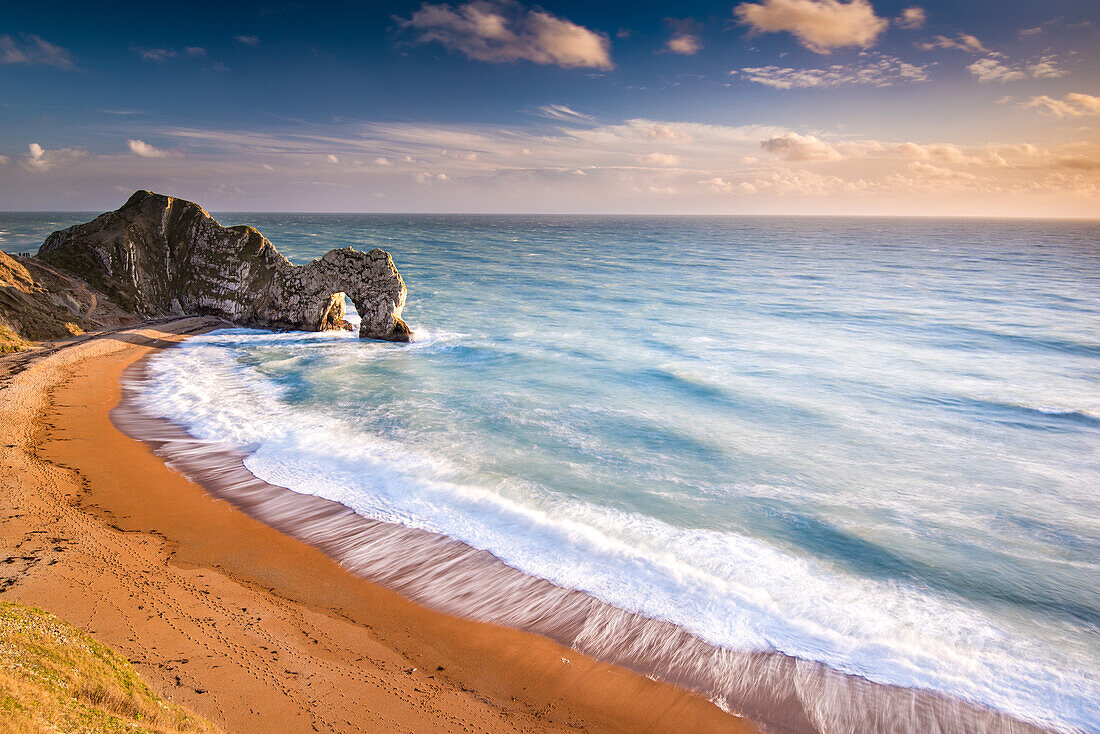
column 504, row 31
column 962, row 42
column 795, row 147
column 685, row 44
column 144, row 150
column 948, row 153
column 1074, row 104
column 331, row 158
column 40, row 159
column 803, row 183
column 562, row 112
column 592, row 166
column 819, row 25
column 34, row 50
column 426, row 179
column 1045, row 68
column 685, row 37
column 928, row 170
column 659, row 159
column 912, row 18
column 718, row 185
column 682, row 137
column 658, row 132
column 382, row 161
column 155, row 54
column 873, row 69
column 689, row 153
column 163, row 54
column 248, row 40
column 459, row 155
column 1080, row 163
column 859, row 148
column 993, row 69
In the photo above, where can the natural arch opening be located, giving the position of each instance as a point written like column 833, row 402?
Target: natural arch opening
column 339, row 313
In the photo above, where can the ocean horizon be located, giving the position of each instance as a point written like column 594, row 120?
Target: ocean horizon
column 869, row 443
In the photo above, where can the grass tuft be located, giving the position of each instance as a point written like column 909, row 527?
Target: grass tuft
column 55, row 678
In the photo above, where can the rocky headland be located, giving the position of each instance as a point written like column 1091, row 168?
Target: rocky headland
column 159, row 256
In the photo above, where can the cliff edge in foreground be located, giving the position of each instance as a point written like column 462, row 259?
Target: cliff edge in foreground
column 39, row 302
column 53, row 677
column 159, row 256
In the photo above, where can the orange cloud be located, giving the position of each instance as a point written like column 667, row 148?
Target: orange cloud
column 819, row 25
column 1074, row 104
column 503, row 31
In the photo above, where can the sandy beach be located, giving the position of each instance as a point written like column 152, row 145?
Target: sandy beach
column 255, row 630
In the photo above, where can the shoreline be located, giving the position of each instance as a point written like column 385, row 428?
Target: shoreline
column 244, row 624
column 779, row 692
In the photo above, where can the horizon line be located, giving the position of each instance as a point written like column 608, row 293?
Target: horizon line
column 1023, row 217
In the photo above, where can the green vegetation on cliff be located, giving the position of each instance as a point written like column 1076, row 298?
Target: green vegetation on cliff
column 55, row 678
column 10, row 341
column 39, row 302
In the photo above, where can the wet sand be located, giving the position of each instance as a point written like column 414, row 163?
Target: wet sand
column 780, row 693
column 248, row 626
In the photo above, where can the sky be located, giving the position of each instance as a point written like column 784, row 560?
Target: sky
column 848, row 107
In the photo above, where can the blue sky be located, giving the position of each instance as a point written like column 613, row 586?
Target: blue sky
column 773, row 106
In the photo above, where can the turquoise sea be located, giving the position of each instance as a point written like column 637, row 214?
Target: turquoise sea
column 870, row 443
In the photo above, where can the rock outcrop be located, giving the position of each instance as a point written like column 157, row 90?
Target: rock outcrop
column 159, row 256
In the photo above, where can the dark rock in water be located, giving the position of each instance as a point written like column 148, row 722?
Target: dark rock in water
column 159, row 256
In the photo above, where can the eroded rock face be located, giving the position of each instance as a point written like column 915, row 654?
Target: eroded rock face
column 158, row 256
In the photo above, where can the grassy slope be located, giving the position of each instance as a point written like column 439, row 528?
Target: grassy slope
column 38, row 302
column 10, row 341
column 55, row 678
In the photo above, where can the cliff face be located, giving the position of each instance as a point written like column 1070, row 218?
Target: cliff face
column 158, row 256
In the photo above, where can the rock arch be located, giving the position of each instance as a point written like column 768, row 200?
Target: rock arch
column 159, row 256
column 369, row 279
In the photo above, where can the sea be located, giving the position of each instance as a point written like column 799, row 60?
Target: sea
column 867, row 443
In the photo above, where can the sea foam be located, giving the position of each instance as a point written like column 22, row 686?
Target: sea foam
column 731, row 590
column 789, row 437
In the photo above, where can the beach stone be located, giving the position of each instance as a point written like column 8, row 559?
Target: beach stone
column 159, row 255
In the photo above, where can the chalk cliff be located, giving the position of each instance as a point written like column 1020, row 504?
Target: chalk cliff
column 158, row 255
